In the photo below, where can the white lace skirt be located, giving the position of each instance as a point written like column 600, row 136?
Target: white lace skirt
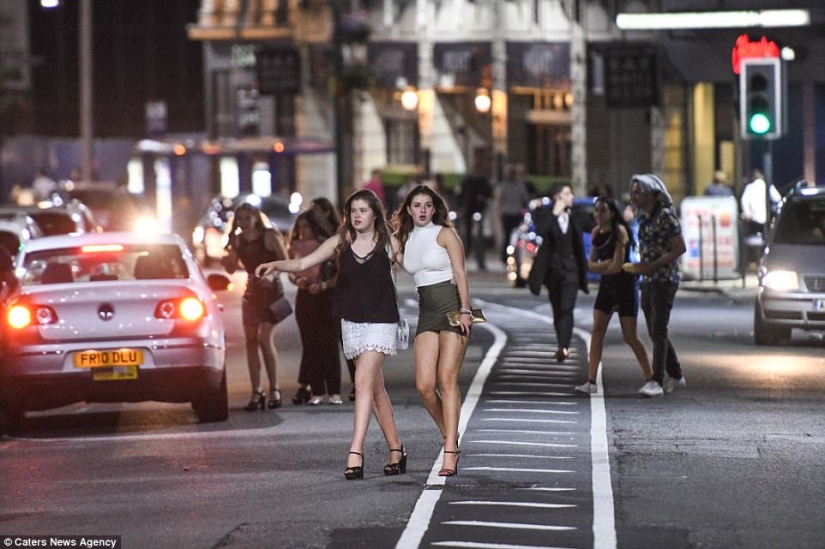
column 367, row 336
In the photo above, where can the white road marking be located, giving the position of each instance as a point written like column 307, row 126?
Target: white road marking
column 528, row 411
column 541, row 444
column 520, row 456
column 524, row 420
column 521, row 401
column 476, row 545
column 419, row 520
column 519, row 470
column 512, row 525
column 516, row 504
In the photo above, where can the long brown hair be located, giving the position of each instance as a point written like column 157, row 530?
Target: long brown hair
column 382, row 231
column 403, row 222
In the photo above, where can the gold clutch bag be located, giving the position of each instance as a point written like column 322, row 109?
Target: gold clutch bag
column 455, row 317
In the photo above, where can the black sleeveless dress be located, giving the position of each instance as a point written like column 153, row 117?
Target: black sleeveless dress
column 259, row 293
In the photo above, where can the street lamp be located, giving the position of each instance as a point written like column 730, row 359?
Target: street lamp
column 409, row 99
column 482, row 101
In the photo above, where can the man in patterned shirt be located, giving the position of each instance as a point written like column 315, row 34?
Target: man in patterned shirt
column 660, row 245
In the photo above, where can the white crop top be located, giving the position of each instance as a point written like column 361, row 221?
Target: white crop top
column 424, row 259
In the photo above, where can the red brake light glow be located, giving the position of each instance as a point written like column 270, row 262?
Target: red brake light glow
column 19, row 317
column 191, row 308
column 22, row 316
column 188, row 308
column 98, row 248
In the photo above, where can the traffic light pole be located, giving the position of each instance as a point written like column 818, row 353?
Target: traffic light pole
column 767, row 163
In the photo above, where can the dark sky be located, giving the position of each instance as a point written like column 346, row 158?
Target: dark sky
column 141, row 54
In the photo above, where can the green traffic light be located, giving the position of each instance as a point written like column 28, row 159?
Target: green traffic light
column 759, row 124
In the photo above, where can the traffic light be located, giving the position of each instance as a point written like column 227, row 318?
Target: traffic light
column 762, row 98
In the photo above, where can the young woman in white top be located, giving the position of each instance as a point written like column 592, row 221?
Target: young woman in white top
column 432, row 253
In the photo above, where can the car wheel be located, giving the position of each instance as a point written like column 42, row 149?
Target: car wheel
column 764, row 333
column 213, row 406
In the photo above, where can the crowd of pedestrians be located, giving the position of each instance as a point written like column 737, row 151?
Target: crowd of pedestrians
column 346, row 298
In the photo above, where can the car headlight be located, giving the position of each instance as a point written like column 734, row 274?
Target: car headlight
column 781, row 281
column 145, row 224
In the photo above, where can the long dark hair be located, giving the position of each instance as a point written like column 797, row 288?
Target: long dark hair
column 329, row 221
column 617, row 219
column 403, row 222
column 382, row 231
column 310, row 220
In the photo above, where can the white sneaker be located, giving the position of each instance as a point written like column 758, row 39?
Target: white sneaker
column 651, row 389
column 671, row 384
column 587, row 388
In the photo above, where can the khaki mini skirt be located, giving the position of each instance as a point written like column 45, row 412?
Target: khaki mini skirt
column 434, row 302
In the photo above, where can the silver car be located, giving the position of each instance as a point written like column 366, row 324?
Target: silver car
column 113, row 317
column 791, row 290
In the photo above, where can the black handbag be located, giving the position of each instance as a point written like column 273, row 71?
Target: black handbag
column 281, row 308
column 278, row 303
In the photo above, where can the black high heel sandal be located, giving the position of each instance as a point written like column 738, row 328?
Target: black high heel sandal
column 302, row 396
column 257, row 400
column 399, row 467
column 444, row 472
column 352, row 473
column 274, row 399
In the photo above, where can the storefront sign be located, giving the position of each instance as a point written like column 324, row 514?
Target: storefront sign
column 279, row 71
column 631, row 77
column 538, row 64
column 393, row 64
column 745, row 49
column 462, row 64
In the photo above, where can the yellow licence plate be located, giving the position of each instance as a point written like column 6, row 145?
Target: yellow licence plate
column 115, row 373
column 108, row 359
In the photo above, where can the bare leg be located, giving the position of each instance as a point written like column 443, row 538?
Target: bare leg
column 452, row 348
column 370, row 396
column 600, row 322
column 382, row 408
column 266, row 331
column 631, row 337
column 253, row 358
column 426, row 367
column 438, row 360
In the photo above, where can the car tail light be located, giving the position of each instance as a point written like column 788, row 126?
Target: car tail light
column 21, row 316
column 187, row 308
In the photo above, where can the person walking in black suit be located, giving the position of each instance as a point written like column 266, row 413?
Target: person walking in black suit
column 560, row 263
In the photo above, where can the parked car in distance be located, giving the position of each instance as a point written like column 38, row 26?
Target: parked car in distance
column 791, row 272
column 16, row 230
column 55, row 218
column 113, row 317
column 210, row 236
column 115, row 208
column 524, row 242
